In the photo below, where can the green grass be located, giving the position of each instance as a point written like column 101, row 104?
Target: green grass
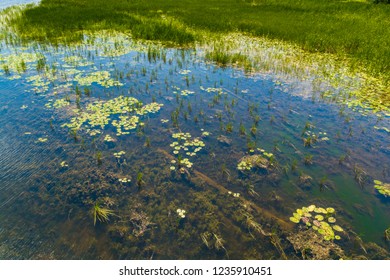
column 357, row 29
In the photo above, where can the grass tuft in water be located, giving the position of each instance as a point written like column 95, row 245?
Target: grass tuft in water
column 101, row 214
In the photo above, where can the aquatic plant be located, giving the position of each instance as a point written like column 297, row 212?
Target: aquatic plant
column 253, row 129
column 319, row 219
column 234, row 194
column 140, row 180
column 98, row 114
column 42, row 139
column 124, row 180
column 140, row 221
column 147, row 142
column 387, row 234
column 308, row 159
column 229, row 127
column 185, row 146
column 181, row 213
column 242, row 129
column 256, row 161
column 250, row 188
column 294, row 165
column 119, row 154
column 342, row 158
column 101, row 214
column 73, row 132
column 225, row 171
column 308, row 141
column 219, row 243
column 205, row 236
column 323, row 183
column 108, row 138
column 383, row 188
column 313, row 246
column 99, row 157
column 360, row 175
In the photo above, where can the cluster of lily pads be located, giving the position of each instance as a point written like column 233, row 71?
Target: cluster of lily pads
column 234, row 194
column 39, row 83
column 321, row 136
column 102, row 78
column 93, row 132
column 244, row 165
column 205, row 133
column 77, row 60
column 18, row 62
column 184, row 72
column 186, row 92
column 383, row 188
column 108, row 138
column 42, row 139
column 119, row 154
column 181, row 162
column 99, row 114
column 211, row 89
column 186, row 144
column 319, row 219
column 124, row 180
column 59, row 103
column 248, row 162
column 181, row 213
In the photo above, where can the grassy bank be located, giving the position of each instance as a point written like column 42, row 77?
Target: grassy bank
column 357, row 28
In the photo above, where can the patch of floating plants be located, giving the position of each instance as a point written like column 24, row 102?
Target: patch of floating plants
column 257, row 161
column 319, row 219
column 102, row 78
column 185, row 147
column 383, row 188
column 101, row 113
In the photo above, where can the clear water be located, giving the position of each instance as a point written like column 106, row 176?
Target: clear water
column 8, row 3
column 52, row 176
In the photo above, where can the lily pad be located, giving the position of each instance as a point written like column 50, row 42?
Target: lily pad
column 294, row 220
column 319, row 217
column 330, row 210
column 337, row 228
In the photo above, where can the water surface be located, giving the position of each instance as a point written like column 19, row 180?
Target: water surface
column 147, row 132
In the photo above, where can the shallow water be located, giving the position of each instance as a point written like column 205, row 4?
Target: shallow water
column 55, row 165
column 8, row 3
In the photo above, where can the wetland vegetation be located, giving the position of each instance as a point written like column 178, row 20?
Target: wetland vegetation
column 195, row 130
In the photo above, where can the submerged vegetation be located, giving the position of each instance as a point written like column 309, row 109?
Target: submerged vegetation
column 196, row 152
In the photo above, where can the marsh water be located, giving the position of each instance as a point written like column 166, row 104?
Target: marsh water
column 147, row 131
